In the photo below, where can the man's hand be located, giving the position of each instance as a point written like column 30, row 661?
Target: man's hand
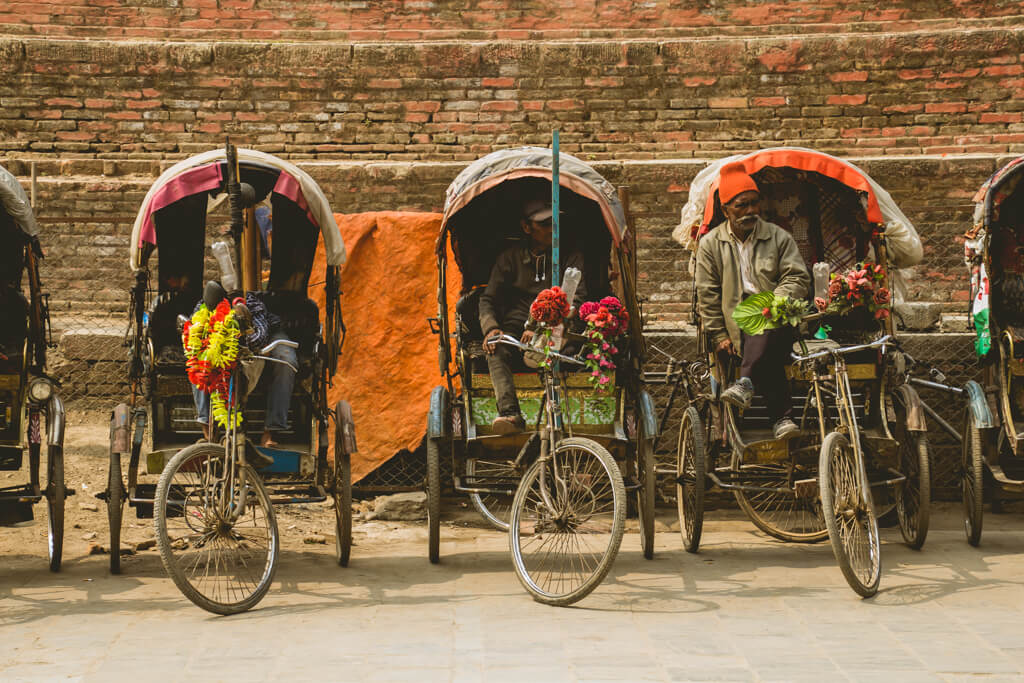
column 725, row 346
column 491, row 343
column 527, row 336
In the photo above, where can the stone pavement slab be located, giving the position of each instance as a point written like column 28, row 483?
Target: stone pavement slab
column 746, row 608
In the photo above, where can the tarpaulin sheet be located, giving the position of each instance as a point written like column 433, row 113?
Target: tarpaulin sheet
column 388, row 365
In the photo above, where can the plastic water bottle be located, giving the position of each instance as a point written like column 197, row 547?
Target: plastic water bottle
column 228, row 279
column 821, row 271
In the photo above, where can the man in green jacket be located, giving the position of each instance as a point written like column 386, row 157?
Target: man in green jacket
column 742, row 256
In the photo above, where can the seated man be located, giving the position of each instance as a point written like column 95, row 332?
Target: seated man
column 262, row 329
column 747, row 255
column 520, row 273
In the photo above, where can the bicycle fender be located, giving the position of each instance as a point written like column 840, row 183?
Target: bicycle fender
column 439, row 418
column 119, row 427
column 978, row 405
column 346, row 428
column 915, row 413
column 55, row 421
column 646, row 414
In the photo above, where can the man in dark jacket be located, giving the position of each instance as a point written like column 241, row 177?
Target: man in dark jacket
column 747, row 255
column 520, row 273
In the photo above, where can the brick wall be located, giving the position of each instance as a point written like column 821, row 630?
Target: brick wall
column 398, row 20
column 86, row 221
column 940, row 92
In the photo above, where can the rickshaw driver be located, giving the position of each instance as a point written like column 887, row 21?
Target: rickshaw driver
column 742, row 256
column 263, row 328
column 520, row 273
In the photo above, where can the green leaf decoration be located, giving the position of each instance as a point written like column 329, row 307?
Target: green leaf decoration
column 749, row 314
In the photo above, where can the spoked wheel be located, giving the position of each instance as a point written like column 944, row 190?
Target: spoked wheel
column 914, row 498
column 342, row 505
column 433, row 500
column 691, row 473
column 645, row 494
column 783, row 511
column 972, row 484
column 115, row 507
column 221, row 565
column 55, row 493
column 496, row 508
column 567, row 522
column 849, row 516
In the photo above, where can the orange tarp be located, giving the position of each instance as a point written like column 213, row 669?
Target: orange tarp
column 388, row 365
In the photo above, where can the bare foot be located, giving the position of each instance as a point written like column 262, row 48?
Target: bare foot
column 268, row 440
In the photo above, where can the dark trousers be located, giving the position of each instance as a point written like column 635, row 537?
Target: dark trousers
column 500, row 364
column 764, row 362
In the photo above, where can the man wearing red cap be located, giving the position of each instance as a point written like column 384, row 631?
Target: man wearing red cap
column 742, row 256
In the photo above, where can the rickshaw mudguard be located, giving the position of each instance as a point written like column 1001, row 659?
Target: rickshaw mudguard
column 439, row 417
column 346, row 426
column 120, row 420
column 55, row 421
column 978, row 405
column 915, row 412
column 647, row 414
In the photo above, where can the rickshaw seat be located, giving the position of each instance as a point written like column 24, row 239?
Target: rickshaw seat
column 468, row 309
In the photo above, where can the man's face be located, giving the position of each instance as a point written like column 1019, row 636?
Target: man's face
column 743, row 212
column 539, row 232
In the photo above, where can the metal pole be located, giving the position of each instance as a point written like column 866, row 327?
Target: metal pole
column 32, row 187
column 555, row 270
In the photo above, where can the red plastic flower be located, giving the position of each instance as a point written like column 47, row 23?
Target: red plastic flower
column 550, row 307
column 882, row 296
column 820, row 303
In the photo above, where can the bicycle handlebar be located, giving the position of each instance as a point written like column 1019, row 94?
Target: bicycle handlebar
column 883, row 342
column 512, row 341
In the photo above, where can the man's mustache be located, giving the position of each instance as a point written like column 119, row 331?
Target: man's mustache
column 747, row 219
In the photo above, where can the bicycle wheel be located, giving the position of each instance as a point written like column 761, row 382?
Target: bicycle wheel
column 55, row 494
column 115, row 507
column 496, row 508
column 849, row 516
column 914, row 498
column 691, row 473
column 780, row 513
column 433, row 501
column 342, row 505
column 562, row 552
column 972, row 484
column 645, row 494
column 222, row 566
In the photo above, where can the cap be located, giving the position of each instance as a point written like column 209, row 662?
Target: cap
column 537, row 210
column 732, row 181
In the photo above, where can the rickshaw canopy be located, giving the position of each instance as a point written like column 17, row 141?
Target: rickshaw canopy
column 993, row 191
column 533, row 162
column 205, row 172
column 903, row 242
column 15, row 203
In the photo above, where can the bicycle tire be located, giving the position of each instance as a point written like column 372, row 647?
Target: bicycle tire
column 691, row 478
column 115, row 508
column 852, row 543
column 973, row 481
column 433, row 486
column 199, row 453
column 55, row 495
column 645, row 494
column 913, row 501
column 523, row 526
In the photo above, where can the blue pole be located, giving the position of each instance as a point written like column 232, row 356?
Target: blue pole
column 555, row 270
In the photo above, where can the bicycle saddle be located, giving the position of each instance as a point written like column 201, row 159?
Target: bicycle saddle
column 815, row 345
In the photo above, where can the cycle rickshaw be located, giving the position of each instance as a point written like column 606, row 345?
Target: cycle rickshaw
column 599, row 433
column 991, row 438
column 28, row 396
column 861, row 449
column 173, row 222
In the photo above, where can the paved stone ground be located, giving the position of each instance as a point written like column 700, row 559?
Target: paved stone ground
column 746, row 608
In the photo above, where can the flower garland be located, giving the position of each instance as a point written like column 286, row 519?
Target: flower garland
column 606, row 320
column 210, row 340
column 860, row 286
